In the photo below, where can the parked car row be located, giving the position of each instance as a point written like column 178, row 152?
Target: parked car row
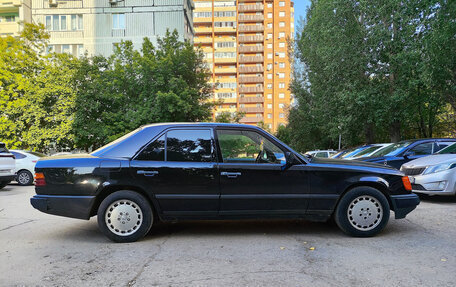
column 429, row 163
column 18, row 165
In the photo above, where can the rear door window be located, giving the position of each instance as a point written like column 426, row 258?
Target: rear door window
column 189, row 145
column 155, row 151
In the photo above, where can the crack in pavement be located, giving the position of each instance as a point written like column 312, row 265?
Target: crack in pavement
column 141, row 270
column 11, row 226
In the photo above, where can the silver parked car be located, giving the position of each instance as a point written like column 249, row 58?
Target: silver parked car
column 434, row 174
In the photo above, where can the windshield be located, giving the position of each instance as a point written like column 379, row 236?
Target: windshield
column 353, row 152
column 448, row 149
column 368, row 150
column 392, row 150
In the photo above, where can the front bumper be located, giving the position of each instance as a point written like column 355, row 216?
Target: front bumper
column 423, row 183
column 64, row 205
column 7, row 178
column 403, row 204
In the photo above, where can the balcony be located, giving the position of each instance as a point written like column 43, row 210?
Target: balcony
column 251, row 120
column 9, row 29
column 251, row 79
column 225, row 70
column 250, row 8
column 252, row 110
column 251, row 59
column 197, row 40
column 225, row 29
column 10, row 3
column 225, row 60
column 251, row 39
column 251, row 28
column 251, row 49
column 251, row 100
column 251, row 70
column 251, row 18
column 202, row 20
column 203, row 30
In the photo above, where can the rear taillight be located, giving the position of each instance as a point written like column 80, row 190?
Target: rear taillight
column 407, row 184
column 34, row 161
column 39, row 179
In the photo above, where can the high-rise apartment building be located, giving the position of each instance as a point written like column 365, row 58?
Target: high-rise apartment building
column 245, row 46
column 96, row 26
column 13, row 15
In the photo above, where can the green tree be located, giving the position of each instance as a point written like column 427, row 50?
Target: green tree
column 227, row 117
column 167, row 83
column 36, row 95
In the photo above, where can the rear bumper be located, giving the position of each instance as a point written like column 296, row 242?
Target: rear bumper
column 7, row 178
column 404, row 204
column 63, row 205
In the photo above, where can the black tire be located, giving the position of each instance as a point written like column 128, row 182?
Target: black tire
column 24, row 177
column 116, row 222
column 3, row 184
column 362, row 212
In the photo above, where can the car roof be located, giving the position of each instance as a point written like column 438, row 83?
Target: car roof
column 430, row 139
column 200, row 124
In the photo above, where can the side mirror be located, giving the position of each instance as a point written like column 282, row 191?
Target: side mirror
column 409, row 153
column 290, row 160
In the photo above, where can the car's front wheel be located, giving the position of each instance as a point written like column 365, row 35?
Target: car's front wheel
column 125, row 216
column 362, row 212
column 24, row 177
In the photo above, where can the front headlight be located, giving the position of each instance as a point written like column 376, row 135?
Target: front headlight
column 439, row 167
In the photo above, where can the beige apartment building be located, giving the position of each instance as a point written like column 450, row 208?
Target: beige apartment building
column 245, row 46
column 96, row 26
column 13, row 15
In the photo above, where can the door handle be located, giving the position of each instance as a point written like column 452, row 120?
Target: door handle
column 147, row 172
column 231, row 174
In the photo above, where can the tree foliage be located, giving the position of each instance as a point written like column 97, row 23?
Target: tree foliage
column 368, row 70
column 167, row 83
column 36, row 96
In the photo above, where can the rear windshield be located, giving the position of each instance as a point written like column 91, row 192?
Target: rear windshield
column 3, row 148
column 38, row 154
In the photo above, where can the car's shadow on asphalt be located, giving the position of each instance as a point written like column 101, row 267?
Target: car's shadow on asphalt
column 439, row 199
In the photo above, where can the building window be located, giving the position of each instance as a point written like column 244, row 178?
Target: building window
column 269, row 106
column 55, row 23
column 269, row 55
column 269, row 116
column 282, row 55
column 282, row 14
column 269, row 67
column 281, row 24
column 270, row 126
column 282, row 4
column 281, row 35
column 282, row 45
column 269, row 46
column 76, row 22
column 66, row 49
column 80, row 51
column 270, row 15
column 281, row 106
column 269, row 35
column 269, row 5
column 269, row 96
column 269, row 25
column 269, row 76
column 269, row 86
column 281, row 85
column 281, row 65
column 281, row 115
column 48, row 23
column 118, row 21
column 281, row 75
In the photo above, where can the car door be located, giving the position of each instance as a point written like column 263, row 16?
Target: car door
column 414, row 152
column 253, row 180
column 180, row 169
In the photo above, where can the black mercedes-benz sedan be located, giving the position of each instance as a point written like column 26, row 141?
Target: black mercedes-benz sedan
column 181, row 171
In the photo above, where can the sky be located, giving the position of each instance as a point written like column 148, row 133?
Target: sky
column 300, row 9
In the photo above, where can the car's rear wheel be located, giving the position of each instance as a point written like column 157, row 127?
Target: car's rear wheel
column 125, row 216
column 24, row 177
column 362, row 212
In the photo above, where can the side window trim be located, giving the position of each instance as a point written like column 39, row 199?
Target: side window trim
column 165, row 134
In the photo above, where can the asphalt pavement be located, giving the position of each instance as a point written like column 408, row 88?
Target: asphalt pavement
column 37, row 249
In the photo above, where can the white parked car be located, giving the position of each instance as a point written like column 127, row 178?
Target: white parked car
column 321, row 153
column 25, row 165
column 434, row 174
column 7, row 166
